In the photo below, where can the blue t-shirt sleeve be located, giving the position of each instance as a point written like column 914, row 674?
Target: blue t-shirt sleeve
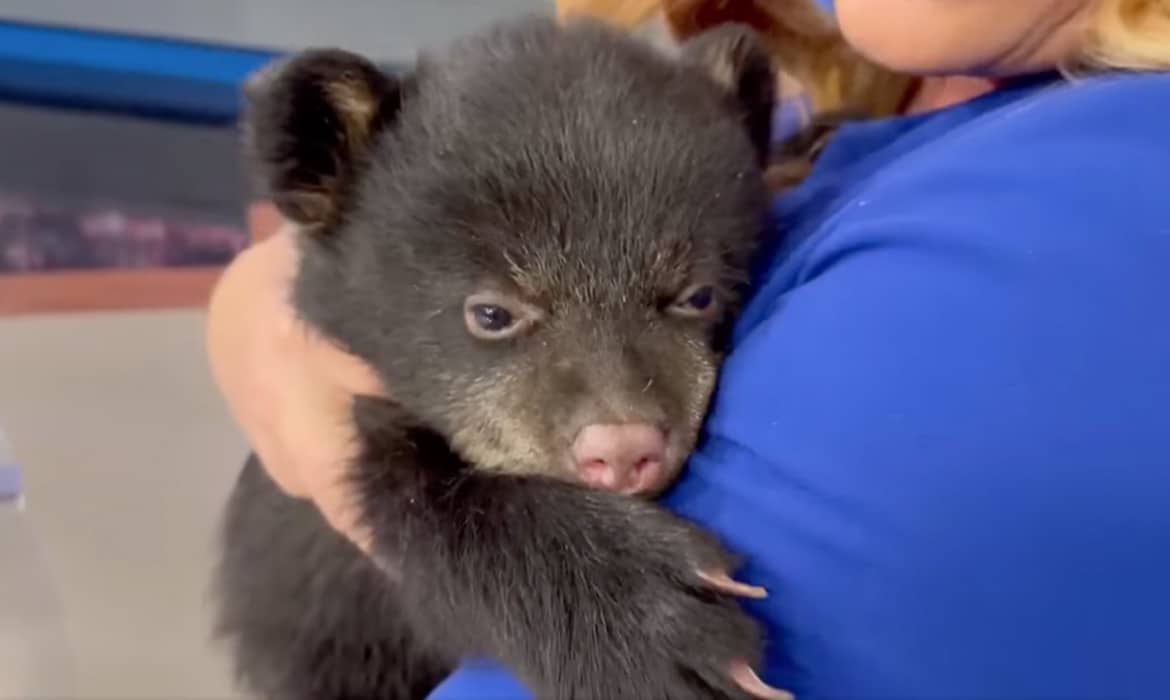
column 480, row 680
column 941, row 439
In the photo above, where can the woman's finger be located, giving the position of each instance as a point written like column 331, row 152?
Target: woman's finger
column 726, row 584
column 747, row 679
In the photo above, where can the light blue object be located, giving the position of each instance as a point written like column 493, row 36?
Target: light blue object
column 11, row 477
column 11, row 482
column 940, row 440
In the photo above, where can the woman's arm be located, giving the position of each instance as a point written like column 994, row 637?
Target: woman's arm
column 288, row 389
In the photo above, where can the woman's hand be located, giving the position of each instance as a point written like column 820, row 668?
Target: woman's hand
column 287, row 387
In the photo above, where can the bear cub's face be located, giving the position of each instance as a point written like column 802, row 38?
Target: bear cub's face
column 537, row 238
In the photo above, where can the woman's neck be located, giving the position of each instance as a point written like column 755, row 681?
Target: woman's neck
column 941, row 92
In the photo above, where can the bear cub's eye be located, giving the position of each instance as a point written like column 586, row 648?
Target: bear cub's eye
column 492, row 319
column 696, row 301
column 495, row 317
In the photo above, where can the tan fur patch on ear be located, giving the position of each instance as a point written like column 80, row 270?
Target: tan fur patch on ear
column 723, row 69
column 725, row 59
column 357, row 107
column 806, row 44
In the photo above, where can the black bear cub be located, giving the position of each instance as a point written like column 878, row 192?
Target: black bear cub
column 537, row 238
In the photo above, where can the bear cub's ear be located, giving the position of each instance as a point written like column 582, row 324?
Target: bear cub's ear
column 310, row 122
column 736, row 58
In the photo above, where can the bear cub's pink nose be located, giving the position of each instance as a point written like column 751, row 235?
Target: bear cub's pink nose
column 627, row 458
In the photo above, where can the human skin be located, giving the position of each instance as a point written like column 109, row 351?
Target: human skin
column 287, row 388
column 964, row 37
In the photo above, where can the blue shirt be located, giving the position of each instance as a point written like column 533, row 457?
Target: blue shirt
column 942, row 439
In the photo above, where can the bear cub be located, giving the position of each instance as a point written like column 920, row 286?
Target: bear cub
column 538, row 238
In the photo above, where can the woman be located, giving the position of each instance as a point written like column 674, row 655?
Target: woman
column 942, row 439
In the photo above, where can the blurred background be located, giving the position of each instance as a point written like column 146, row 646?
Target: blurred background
column 121, row 197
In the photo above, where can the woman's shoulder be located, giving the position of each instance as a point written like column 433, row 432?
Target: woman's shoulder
column 1080, row 155
column 987, row 257
column 1047, row 163
column 1095, row 134
column 1029, row 188
column 1118, row 118
column 1066, row 107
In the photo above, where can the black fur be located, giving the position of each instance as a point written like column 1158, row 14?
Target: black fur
column 307, row 616
column 595, row 178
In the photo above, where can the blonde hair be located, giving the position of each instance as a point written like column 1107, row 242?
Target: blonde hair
column 1126, row 35
column 1131, row 35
